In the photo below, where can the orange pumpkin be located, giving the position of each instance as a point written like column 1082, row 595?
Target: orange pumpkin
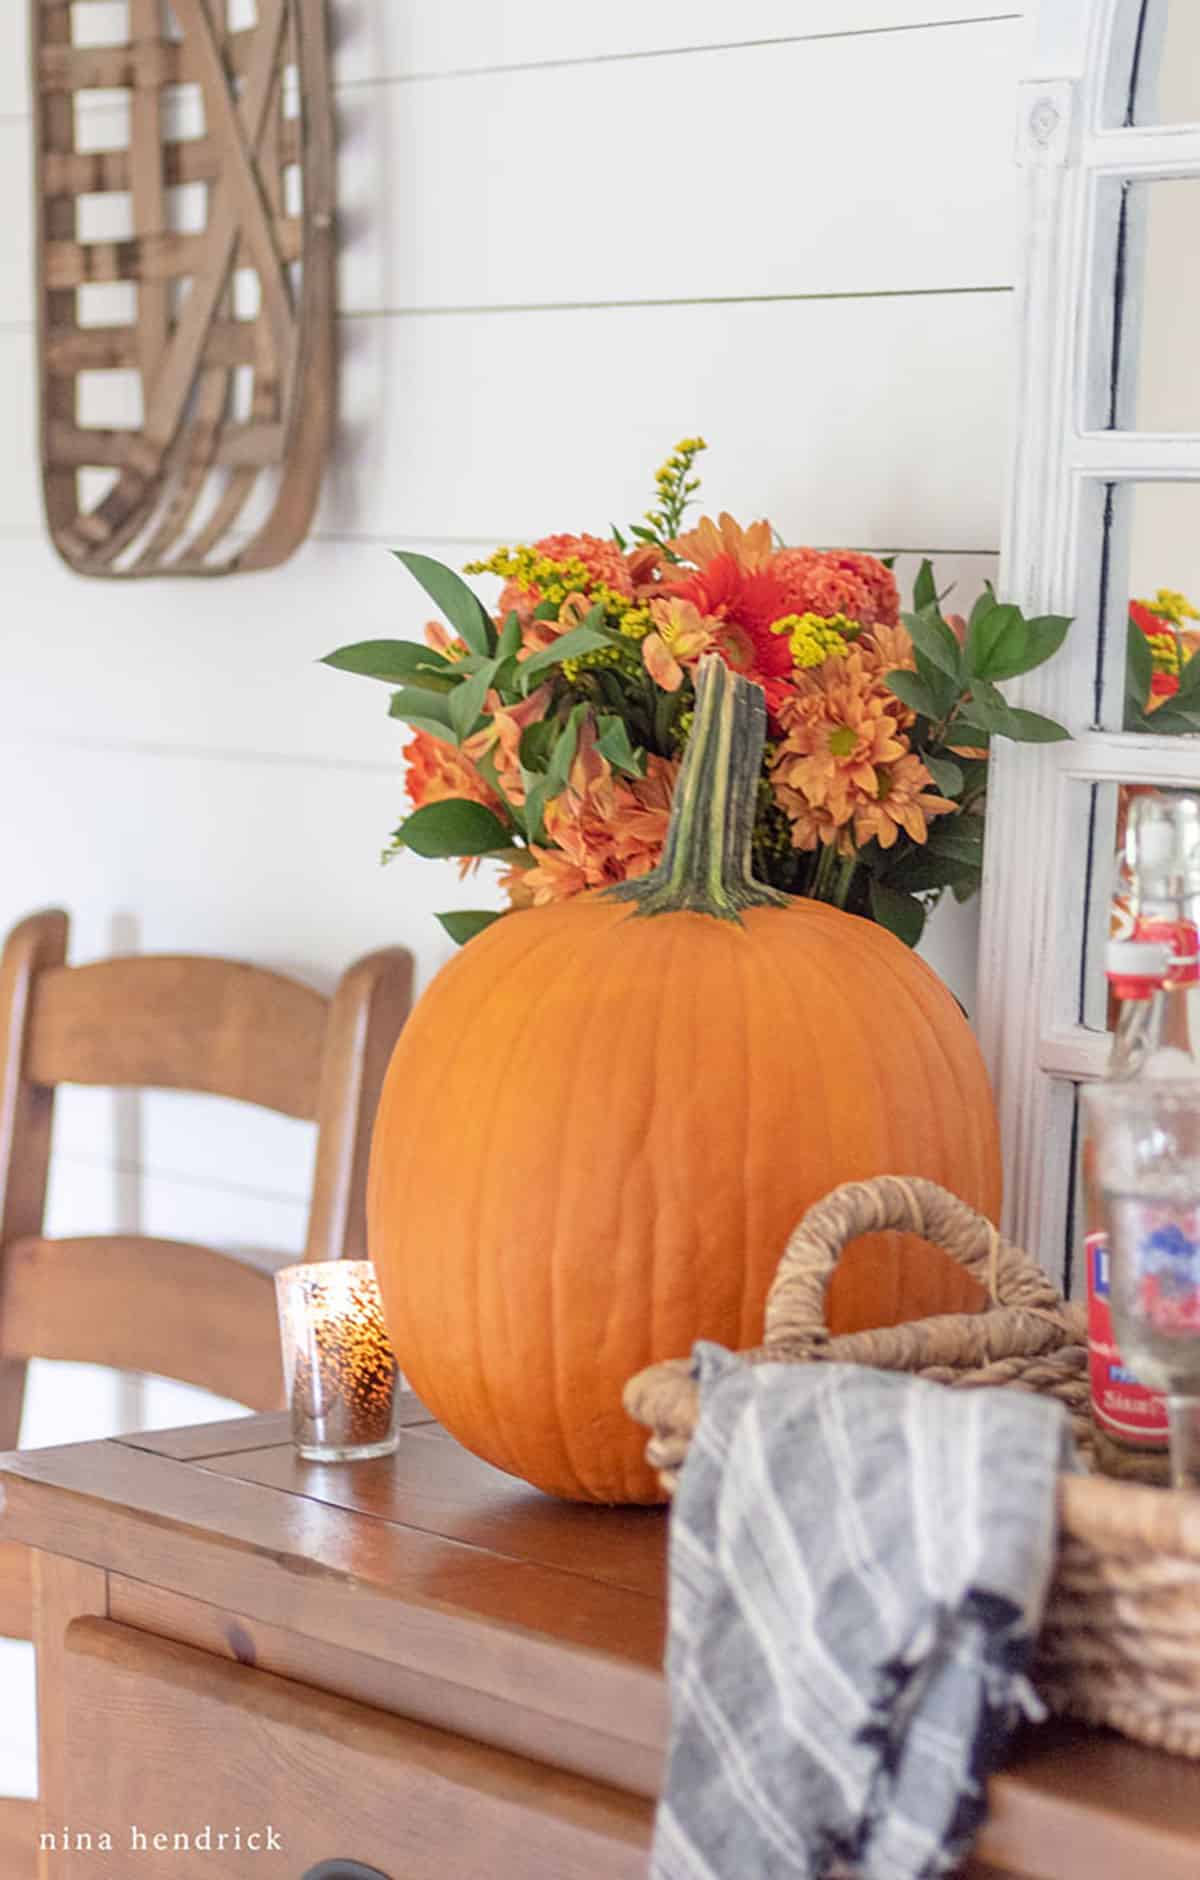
column 604, row 1118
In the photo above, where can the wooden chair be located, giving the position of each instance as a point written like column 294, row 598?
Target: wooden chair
column 181, row 1311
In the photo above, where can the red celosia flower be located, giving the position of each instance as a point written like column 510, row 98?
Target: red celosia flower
column 1164, row 685
column 837, row 581
column 1148, row 622
column 602, row 559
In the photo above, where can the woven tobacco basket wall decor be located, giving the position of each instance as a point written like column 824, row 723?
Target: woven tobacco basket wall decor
column 185, row 181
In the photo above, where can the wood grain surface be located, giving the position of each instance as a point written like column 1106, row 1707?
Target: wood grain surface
column 382, row 1603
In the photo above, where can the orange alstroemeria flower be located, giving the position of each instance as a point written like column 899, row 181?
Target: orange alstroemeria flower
column 679, row 637
column 500, row 738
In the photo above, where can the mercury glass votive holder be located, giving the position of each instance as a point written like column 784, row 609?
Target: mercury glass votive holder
column 338, row 1363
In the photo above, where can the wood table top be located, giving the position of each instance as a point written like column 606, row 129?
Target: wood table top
column 435, row 1563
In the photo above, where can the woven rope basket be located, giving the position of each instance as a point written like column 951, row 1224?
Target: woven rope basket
column 1120, row 1643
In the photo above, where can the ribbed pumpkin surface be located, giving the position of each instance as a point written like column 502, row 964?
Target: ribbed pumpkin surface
column 598, row 1131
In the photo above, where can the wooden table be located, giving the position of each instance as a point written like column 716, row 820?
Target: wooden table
column 416, row 1664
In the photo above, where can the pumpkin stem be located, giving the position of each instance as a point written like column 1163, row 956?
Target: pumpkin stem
column 706, row 864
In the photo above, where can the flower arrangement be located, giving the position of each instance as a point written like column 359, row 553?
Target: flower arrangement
column 549, row 736
column 1162, row 665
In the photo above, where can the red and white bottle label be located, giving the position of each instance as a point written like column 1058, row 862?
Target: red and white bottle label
column 1120, row 1404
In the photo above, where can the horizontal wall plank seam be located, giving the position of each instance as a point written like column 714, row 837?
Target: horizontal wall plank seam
column 452, row 72
column 666, row 300
column 135, row 747
column 348, row 539
column 19, row 328
column 115, row 1165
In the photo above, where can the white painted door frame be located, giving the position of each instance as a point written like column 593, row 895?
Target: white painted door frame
column 1075, row 153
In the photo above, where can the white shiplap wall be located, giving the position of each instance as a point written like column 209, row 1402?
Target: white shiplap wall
column 571, row 234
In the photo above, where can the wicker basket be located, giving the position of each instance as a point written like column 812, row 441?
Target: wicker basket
column 1120, row 1643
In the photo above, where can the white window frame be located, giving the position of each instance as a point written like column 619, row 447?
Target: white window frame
column 1074, row 154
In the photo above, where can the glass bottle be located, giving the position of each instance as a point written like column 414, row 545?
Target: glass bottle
column 1154, row 980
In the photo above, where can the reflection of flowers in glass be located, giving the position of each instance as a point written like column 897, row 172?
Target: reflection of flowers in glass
column 1171, row 644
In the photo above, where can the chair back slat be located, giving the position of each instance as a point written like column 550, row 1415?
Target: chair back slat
column 169, row 1308
column 180, row 1023
column 16, row 1590
column 138, row 1304
column 368, row 1010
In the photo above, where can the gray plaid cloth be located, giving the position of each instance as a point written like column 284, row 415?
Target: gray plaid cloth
column 858, row 1564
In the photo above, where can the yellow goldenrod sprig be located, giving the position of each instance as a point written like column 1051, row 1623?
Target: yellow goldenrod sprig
column 675, row 487
column 1170, row 605
column 814, row 638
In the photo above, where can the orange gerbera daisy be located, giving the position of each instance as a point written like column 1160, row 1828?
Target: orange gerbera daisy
column 746, row 603
column 750, row 548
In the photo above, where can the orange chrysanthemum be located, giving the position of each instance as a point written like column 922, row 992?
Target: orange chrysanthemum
column 605, row 829
column 837, row 581
column 843, row 771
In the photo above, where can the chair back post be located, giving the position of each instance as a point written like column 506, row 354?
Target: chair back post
column 26, row 1119
column 367, row 1014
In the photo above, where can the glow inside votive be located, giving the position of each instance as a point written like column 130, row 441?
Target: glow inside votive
column 338, row 1362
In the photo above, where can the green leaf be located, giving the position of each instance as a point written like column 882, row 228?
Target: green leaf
column 943, row 690
column 1046, row 633
column 924, row 587
column 396, row 662
column 945, row 773
column 613, row 743
column 960, row 838
column 1169, row 722
column 1032, row 728
column 466, row 700
column 465, row 923
column 899, row 913
column 461, row 606
column 531, row 813
column 510, row 638
column 921, row 872
column 913, row 691
column 964, row 890
column 1189, row 680
column 537, row 742
column 455, row 826
column 582, row 639
column 563, row 754
column 1005, row 643
column 936, row 640
column 1139, row 671
column 424, row 711
column 617, row 537
column 988, row 708
column 993, row 640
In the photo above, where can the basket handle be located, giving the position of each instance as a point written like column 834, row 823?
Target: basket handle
column 795, row 1313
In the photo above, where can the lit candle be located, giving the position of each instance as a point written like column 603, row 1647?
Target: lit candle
column 338, row 1362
